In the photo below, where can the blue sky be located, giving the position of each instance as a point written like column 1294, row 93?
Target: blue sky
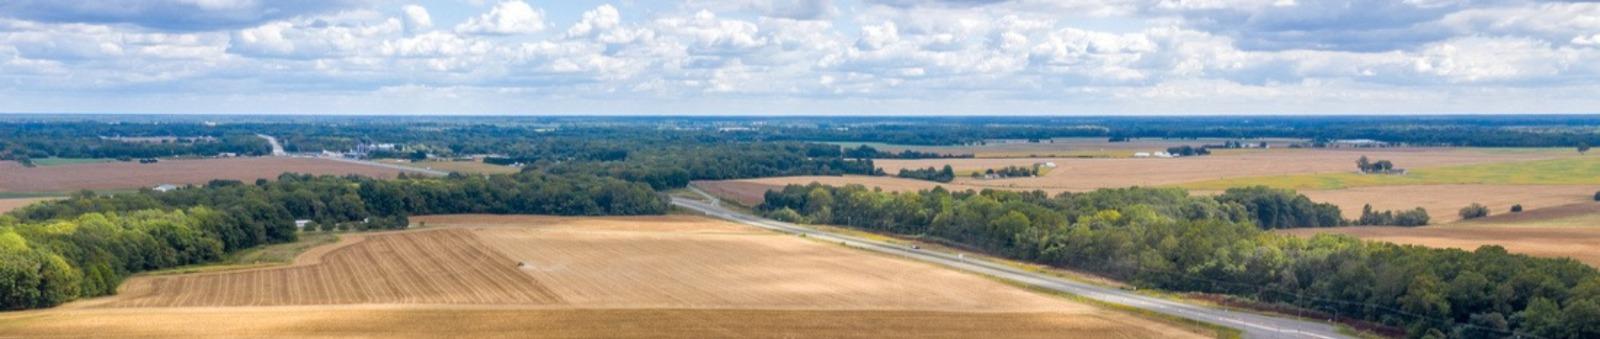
column 902, row 57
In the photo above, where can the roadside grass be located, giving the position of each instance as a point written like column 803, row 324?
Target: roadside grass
column 70, row 161
column 263, row 256
column 1565, row 171
column 1220, row 331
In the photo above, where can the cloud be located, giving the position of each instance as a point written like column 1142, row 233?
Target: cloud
column 507, row 17
column 786, row 9
column 416, row 18
column 886, row 55
column 177, row 15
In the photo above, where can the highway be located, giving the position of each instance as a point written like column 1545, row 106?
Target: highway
column 1253, row 325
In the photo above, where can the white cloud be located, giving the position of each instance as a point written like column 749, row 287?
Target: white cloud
column 507, row 17
column 416, row 18
column 740, row 56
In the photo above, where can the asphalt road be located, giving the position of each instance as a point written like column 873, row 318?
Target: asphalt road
column 1253, row 325
column 277, row 148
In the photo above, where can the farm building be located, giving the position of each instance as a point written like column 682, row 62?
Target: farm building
column 165, row 188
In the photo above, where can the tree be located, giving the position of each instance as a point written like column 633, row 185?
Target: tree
column 1474, row 211
column 1583, row 147
column 1363, row 164
column 1516, row 208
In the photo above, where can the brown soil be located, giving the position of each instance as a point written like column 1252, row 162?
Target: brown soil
column 368, row 322
column 663, row 277
column 1444, row 202
column 1582, row 244
column 425, row 267
column 1579, row 211
column 6, row 205
column 124, row 175
column 606, row 267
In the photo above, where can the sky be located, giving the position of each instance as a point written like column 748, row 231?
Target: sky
column 800, row 57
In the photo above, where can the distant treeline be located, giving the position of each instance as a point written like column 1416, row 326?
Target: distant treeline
column 84, row 246
column 554, row 139
column 93, row 140
column 868, row 152
column 1167, row 239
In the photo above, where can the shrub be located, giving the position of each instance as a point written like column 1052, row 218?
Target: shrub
column 1474, row 211
column 1516, row 208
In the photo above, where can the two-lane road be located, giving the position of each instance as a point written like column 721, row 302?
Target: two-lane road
column 1253, row 325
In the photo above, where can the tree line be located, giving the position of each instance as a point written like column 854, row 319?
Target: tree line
column 57, row 251
column 945, row 174
column 1165, row 238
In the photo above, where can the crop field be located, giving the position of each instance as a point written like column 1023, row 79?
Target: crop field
column 1565, row 171
column 6, row 205
column 498, row 322
column 538, row 276
column 1089, row 174
column 70, row 161
column 1444, row 201
column 744, row 269
column 422, row 267
column 1581, row 243
column 1583, row 214
column 1058, row 147
column 124, row 175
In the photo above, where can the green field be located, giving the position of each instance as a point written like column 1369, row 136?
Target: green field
column 70, row 161
column 1568, row 171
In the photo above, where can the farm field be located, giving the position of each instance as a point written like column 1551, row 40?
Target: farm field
column 1245, row 168
column 416, row 267
column 70, row 161
column 673, row 276
column 464, row 322
column 472, row 167
column 1058, row 147
column 6, row 205
column 125, row 175
column 1444, row 201
column 1581, row 243
column 1564, row 171
column 1582, row 214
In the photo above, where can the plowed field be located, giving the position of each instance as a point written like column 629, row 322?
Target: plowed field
column 425, row 267
column 650, row 277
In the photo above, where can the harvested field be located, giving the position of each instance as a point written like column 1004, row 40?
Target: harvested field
column 1059, row 147
column 600, row 268
column 123, row 175
column 662, row 277
column 388, row 322
column 1582, row 244
column 1564, row 171
column 1582, row 214
column 420, row 267
column 1089, row 174
column 6, row 205
column 1444, row 201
